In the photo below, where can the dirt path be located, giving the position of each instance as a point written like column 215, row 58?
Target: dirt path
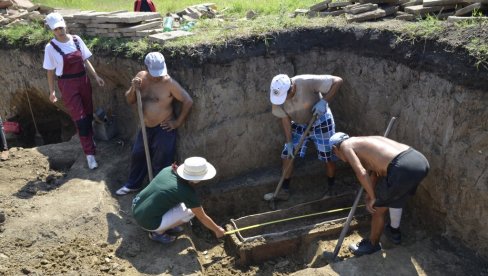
column 70, row 222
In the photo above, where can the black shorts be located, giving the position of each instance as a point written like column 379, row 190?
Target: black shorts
column 404, row 174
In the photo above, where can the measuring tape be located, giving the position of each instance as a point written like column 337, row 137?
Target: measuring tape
column 287, row 219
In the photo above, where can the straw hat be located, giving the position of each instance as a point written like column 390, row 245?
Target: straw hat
column 196, row 169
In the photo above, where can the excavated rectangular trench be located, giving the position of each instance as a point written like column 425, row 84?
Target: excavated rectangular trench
column 285, row 231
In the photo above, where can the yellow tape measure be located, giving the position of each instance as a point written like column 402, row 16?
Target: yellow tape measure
column 287, row 219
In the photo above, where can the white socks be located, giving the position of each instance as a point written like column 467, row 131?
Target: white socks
column 395, row 217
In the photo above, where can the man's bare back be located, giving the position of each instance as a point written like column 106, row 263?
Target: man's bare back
column 157, row 95
column 374, row 152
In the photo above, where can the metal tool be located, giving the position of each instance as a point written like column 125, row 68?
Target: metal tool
column 272, row 196
column 354, row 206
column 144, row 134
column 38, row 140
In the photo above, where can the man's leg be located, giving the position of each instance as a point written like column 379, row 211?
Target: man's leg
column 138, row 166
column 377, row 224
column 162, row 147
column 3, row 148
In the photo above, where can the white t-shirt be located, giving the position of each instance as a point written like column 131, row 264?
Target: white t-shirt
column 299, row 108
column 54, row 60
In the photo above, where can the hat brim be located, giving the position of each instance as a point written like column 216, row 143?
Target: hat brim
column 211, row 172
column 277, row 100
column 59, row 24
column 158, row 73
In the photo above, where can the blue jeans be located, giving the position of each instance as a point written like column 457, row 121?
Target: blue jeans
column 161, row 148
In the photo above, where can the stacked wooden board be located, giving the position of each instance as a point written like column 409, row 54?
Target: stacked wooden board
column 366, row 10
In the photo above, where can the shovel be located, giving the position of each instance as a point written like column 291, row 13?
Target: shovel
column 333, row 257
column 144, row 135
column 271, row 196
column 38, row 140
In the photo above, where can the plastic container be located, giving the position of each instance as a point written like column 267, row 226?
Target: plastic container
column 168, row 24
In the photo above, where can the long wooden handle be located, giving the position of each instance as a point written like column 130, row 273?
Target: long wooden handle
column 356, row 201
column 144, row 134
column 296, row 151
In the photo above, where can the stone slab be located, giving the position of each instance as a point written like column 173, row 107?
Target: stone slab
column 140, row 27
column 412, row 3
column 127, row 17
column 477, row 1
column 380, row 1
column 162, row 37
column 23, row 4
column 405, row 16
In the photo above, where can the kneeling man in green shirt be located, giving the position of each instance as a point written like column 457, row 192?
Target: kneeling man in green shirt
column 171, row 200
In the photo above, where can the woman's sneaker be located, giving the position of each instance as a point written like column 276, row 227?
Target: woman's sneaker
column 162, row 238
column 393, row 234
column 92, row 163
column 364, row 247
column 175, row 230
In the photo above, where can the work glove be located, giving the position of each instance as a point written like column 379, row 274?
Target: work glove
column 289, row 149
column 319, row 108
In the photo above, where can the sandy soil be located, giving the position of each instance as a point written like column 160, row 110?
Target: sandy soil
column 70, row 222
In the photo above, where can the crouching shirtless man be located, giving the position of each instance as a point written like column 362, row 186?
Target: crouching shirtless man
column 158, row 90
column 399, row 167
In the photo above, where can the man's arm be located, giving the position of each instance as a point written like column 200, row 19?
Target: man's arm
column 130, row 95
column 92, row 71
column 181, row 95
column 336, row 84
column 286, row 123
column 50, row 82
column 361, row 174
column 208, row 222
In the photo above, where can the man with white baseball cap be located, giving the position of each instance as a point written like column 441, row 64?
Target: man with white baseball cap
column 157, row 90
column 170, row 200
column 296, row 100
column 66, row 61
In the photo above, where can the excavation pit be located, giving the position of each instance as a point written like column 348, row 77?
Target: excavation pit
column 286, row 231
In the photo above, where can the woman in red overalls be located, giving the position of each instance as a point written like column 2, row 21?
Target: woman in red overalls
column 66, row 58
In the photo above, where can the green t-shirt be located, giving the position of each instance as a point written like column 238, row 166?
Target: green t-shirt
column 162, row 194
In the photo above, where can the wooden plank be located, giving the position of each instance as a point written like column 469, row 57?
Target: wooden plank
column 453, row 19
column 393, row 2
column 371, row 15
column 412, row 3
column 468, row 9
column 434, row 3
column 361, row 8
column 320, row 6
column 421, row 10
column 339, row 4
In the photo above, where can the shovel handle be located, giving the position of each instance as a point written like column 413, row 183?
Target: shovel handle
column 296, row 151
column 355, row 204
column 144, row 134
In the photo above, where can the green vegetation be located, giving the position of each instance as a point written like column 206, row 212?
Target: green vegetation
column 239, row 7
column 273, row 17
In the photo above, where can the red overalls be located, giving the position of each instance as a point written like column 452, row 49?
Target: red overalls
column 76, row 92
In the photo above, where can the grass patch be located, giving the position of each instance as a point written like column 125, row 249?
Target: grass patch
column 32, row 34
column 478, row 49
column 163, row 6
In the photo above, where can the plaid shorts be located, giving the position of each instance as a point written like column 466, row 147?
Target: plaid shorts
column 319, row 134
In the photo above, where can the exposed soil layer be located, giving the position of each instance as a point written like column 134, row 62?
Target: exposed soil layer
column 61, row 218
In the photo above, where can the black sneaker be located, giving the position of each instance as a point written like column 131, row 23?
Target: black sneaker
column 364, row 247
column 393, row 234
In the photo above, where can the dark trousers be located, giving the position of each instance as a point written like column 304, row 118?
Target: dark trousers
column 3, row 140
column 161, row 148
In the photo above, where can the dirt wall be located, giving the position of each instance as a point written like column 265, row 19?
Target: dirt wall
column 231, row 123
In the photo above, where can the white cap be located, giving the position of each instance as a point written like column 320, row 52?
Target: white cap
column 279, row 89
column 196, row 169
column 337, row 138
column 155, row 64
column 55, row 20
